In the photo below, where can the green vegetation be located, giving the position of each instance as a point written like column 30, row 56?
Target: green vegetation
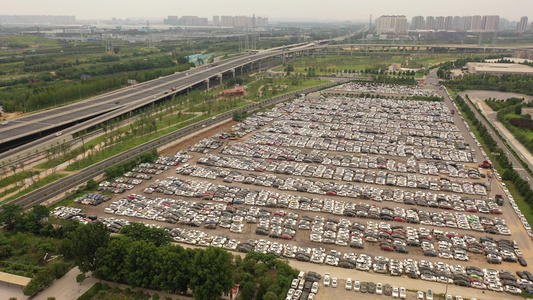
column 270, row 87
column 30, row 246
column 496, row 105
column 25, row 41
column 16, row 177
column 37, row 185
column 362, row 63
column 506, row 83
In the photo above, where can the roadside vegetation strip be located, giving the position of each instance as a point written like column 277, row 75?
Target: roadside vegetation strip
column 502, row 139
column 119, row 135
column 518, row 187
column 127, row 144
column 8, row 191
column 16, row 177
column 38, row 184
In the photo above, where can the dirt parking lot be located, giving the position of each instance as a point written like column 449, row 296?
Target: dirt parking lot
column 301, row 238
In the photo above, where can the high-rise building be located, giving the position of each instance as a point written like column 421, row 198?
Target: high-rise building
column 242, row 21
column 522, row 25
column 216, row 21
column 490, row 23
column 392, row 24
column 439, row 23
column 458, row 23
column 418, row 23
column 467, row 22
column 430, row 23
column 476, row 24
column 448, row 23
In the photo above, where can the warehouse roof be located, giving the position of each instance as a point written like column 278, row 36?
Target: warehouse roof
column 14, row 279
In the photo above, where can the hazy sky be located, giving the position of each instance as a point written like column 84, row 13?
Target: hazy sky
column 274, row 9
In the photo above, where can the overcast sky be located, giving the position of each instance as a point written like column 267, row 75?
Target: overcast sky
column 274, row 9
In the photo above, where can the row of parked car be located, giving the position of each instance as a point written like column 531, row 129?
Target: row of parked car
column 304, row 287
column 425, row 270
column 92, row 199
column 236, row 195
column 429, row 150
column 281, row 224
column 379, row 88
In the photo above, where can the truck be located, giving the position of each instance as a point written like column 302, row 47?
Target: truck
column 499, row 199
column 486, row 165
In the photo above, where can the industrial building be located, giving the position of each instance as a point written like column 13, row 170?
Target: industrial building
column 498, row 68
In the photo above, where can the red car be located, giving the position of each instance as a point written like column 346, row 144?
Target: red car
column 387, row 248
column 286, row 236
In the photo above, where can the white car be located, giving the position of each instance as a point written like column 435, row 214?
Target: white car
column 395, row 292
column 449, row 297
column 356, row 286
column 5, row 122
column 59, row 133
column 403, row 293
column 379, row 288
column 420, row 295
column 334, row 282
column 314, row 288
column 294, row 283
column 327, row 279
column 429, row 294
column 512, row 289
column 348, row 284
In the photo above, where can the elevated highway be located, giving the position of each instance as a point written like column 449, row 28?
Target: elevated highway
column 36, row 132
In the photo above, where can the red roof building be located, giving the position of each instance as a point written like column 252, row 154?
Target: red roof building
column 237, row 91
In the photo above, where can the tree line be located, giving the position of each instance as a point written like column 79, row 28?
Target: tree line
column 516, row 83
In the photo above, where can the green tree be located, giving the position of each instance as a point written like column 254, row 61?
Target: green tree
column 85, row 242
column 212, row 274
column 140, row 232
column 10, row 215
column 518, row 110
column 270, row 296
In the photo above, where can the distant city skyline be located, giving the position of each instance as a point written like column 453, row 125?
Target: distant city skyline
column 297, row 10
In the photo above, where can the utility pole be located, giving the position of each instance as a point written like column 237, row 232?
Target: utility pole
column 254, row 45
